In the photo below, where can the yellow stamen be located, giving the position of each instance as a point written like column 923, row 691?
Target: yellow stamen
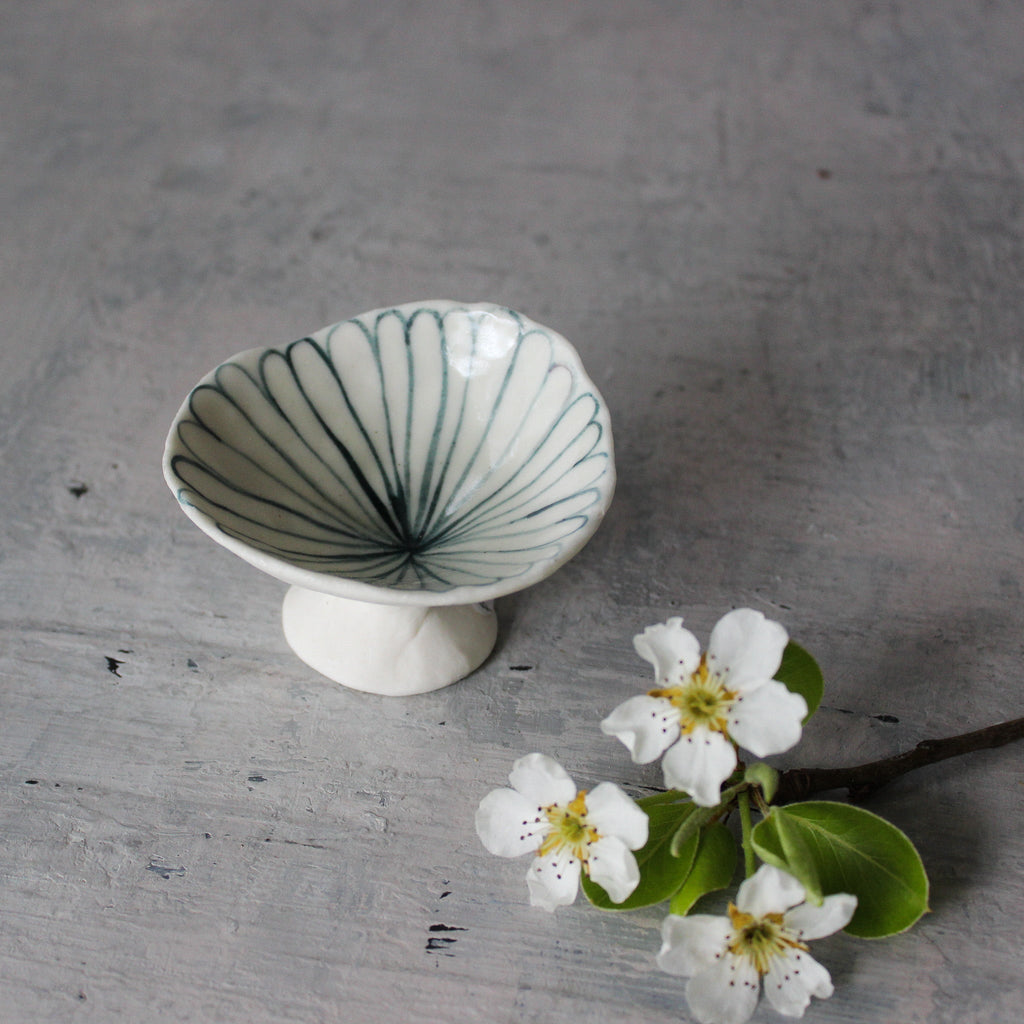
column 760, row 939
column 569, row 830
column 701, row 700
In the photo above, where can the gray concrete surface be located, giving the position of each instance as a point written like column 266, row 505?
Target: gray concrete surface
column 786, row 239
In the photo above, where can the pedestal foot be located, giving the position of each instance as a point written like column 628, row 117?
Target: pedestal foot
column 395, row 650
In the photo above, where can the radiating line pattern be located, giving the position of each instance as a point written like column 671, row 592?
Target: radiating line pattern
column 424, row 447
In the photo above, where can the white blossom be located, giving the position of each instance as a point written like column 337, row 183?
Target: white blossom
column 705, row 705
column 568, row 831
column 761, row 943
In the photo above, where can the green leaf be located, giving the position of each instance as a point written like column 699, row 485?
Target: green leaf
column 765, row 777
column 669, row 796
column 799, row 672
column 688, row 830
column 661, row 874
column 714, row 865
column 850, row 850
column 787, row 842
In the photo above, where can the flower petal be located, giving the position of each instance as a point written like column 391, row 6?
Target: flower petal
column 810, row 922
column 792, row 980
column 673, row 651
column 648, row 726
column 542, row 780
column 612, row 865
column 699, row 763
column 508, row 824
column 768, row 720
column 553, row 881
column 724, row 993
column 689, row 944
column 612, row 813
column 746, row 648
column 769, row 891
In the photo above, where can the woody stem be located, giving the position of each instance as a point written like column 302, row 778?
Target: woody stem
column 743, row 802
column 861, row 781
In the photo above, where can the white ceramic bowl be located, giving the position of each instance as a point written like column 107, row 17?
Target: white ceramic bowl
column 430, row 456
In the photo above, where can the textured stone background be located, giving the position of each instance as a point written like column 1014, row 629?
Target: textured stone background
column 786, row 239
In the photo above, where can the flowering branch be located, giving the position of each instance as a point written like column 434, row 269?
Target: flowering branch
column 824, row 866
column 861, row 781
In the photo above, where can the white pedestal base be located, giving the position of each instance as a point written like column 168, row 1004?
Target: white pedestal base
column 390, row 649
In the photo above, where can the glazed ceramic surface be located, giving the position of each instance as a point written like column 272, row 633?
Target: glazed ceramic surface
column 429, row 454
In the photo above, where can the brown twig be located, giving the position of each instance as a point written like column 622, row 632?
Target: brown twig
column 862, row 780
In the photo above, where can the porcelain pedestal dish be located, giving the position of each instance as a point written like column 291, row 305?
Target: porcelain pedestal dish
column 401, row 470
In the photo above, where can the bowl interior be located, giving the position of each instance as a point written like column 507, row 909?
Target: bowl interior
column 428, row 453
